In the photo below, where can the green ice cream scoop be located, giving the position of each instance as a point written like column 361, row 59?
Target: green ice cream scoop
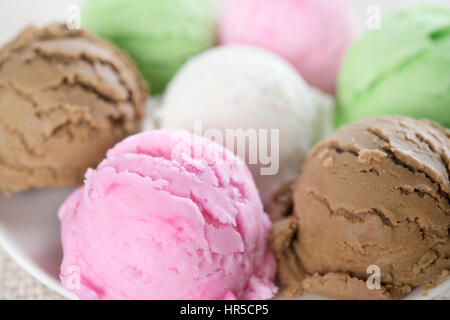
column 160, row 35
column 403, row 68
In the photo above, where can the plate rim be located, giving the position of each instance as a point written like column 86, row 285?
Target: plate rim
column 30, row 267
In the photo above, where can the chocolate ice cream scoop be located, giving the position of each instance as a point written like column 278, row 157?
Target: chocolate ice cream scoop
column 373, row 196
column 66, row 97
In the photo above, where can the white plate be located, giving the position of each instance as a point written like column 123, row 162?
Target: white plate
column 29, row 232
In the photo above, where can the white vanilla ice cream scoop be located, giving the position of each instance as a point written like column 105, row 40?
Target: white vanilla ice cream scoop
column 254, row 103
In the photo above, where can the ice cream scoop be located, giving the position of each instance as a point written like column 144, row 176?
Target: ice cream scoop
column 313, row 35
column 371, row 207
column 159, row 35
column 167, row 215
column 66, row 97
column 402, row 68
column 245, row 94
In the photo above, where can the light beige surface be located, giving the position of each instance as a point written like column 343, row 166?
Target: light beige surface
column 15, row 283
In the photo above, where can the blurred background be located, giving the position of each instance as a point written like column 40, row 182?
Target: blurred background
column 19, row 13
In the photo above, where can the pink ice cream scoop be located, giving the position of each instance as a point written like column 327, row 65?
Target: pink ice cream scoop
column 167, row 215
column 313, row 35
